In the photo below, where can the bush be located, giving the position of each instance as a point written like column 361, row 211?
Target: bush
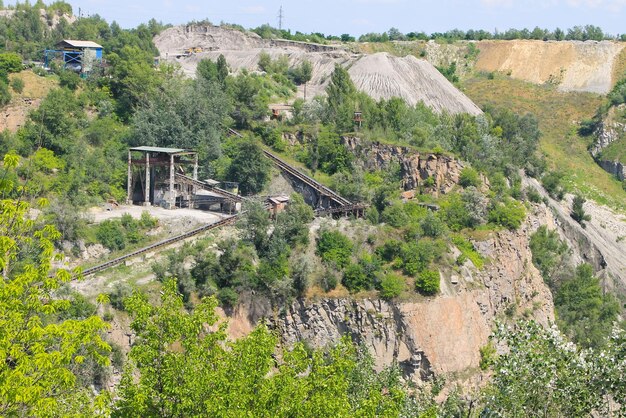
column 329, row 281
column 355, row 278
column 427, row 282
column 432, row 226
column 547, row 250
column 533, row 195
column 395, row 215
column 227, row 297
column 509, row 214
column 469, row 177
column 17, row 84
column 391, row 286
column 69, row 79
column 334, row 247
column 5, row 94
column 111, row 235
column 120, row 292
column 578, row 212
column 552, row 183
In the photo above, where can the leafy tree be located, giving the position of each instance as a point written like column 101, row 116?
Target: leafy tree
column 334, row 247
column 544, row 373
column 548, row 251
column 341, row 99
column 185, row 115
column 178, row 367
column 578, row 212
column 249, row 167
column 552, row 183
column 585, row 312
column 40, row 354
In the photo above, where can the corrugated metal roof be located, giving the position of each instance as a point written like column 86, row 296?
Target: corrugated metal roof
column 160, row 149
column 80, row 44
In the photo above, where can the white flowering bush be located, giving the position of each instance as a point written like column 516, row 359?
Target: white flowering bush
column 544, row 374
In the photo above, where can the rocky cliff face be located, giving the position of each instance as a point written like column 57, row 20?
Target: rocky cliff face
column 415, row 168
column 609, row 131
column 425, row 336
column 614, row 167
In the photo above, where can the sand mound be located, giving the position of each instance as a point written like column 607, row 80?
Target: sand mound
column 573, row 66
column 380, row 75
column 383, row 76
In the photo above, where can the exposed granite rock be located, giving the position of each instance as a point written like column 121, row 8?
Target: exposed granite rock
column 438, row 335
column 616, row 168
column 415, row 168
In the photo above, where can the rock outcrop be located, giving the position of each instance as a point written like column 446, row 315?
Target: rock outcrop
column 438, row 335
column 415, row 168
column 570, row 65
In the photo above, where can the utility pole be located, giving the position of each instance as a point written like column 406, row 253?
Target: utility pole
column 280, row 18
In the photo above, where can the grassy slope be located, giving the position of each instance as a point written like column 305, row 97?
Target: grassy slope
column 558, row 114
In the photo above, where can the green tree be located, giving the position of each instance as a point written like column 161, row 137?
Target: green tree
column 469, row 177
column 178, row 367
column 249, row 167
column 544, row 373
column 548, row 251
column 341, row 95
column 585, row 312
column 334, row 247
column 39, row 354
column 578, row 212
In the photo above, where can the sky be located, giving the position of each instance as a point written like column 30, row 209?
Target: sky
column 357, row 17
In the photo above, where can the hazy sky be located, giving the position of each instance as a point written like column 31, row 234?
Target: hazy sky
column 361, row 16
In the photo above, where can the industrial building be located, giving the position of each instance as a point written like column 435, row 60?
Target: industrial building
column 80, row 56
column 168, row 177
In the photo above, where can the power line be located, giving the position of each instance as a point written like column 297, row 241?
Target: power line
column 280, row 18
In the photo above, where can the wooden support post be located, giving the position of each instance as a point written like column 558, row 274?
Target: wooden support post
column 172, row 196
column 195, row 167
column 129, row 187
column 146, row 198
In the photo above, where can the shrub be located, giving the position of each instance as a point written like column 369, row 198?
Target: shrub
column 427, row 282
column 533, row 195
column 487, row 355
column 111, row 235
column 148, row 221
column 69, row 79
column 547, row 250
column 578, row 212
column 355, row 279
column 334, row 247
column 509, row 214
column 227, row 297
column 469, row 177
column 391, row 286
column 17, row 84
column 395, row 215
column 120, row 292
column 329, row 281
column 432, row 226
column 552, row 183
column 5, row 94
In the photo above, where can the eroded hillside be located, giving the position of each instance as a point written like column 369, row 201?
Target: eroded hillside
column 380, row 75
column 570, row 65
